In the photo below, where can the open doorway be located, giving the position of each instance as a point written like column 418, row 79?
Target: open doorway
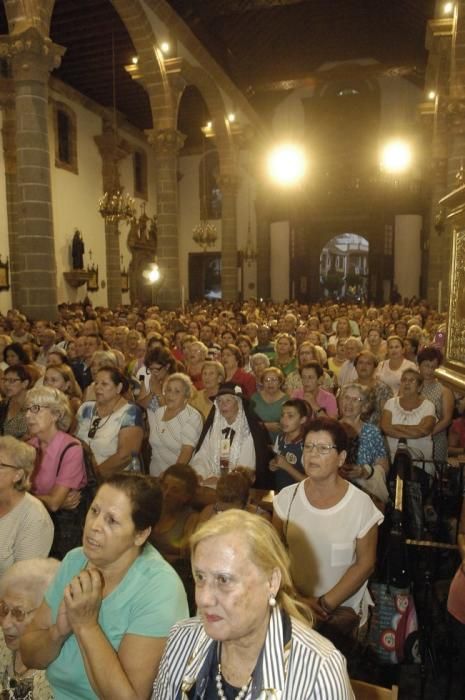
column 204, row 276
column 344, row 267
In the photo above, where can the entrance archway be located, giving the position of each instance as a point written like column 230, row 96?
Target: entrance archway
column 344, row 267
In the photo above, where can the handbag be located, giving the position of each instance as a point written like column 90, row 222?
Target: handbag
column 69, row 524
column 393, row 631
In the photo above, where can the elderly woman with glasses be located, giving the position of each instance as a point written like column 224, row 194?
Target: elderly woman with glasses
column 22, row 589
column 331, row 529
column 26, row 530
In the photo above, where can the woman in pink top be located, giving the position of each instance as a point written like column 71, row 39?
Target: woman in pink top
column 48, row 415
column 319, row 400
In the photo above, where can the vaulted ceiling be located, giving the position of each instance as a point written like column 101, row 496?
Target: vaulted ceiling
column 266, row 46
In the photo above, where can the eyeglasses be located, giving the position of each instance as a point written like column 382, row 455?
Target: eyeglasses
column 351, row 398
column 16, row 611
column 155, row 369
column 34, row 408
column 319, row 447
column 94, row 427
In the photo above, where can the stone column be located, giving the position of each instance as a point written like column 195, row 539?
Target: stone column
column 112, row 150
column 167, row 144
column 263, row 250
column 33, row 258
column 228, row 185
column 11, row 188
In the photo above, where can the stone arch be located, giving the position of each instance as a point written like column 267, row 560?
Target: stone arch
column 216, row 107
column 151, row 64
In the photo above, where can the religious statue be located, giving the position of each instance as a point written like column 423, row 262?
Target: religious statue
column 77, row 251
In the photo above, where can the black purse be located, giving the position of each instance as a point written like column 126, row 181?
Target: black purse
column 69, row 524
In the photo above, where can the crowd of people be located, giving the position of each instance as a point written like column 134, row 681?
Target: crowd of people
column 236, row 459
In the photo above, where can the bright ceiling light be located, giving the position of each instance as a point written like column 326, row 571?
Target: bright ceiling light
column 287, row 164
column 396, row 156
column 431, row 95
column 448, row 8
column 165, row 47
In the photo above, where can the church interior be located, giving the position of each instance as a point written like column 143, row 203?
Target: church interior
column 217, row 172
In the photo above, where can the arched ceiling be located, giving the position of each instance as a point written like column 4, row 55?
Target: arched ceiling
column 266, row 46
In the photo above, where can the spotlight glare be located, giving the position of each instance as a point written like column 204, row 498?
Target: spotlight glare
column 231, row 117
column 152, row 273
column 135, row 60
column 431, row 95
column 286, row 164
column 165, row 47
column 448, row 8
column 396, row 157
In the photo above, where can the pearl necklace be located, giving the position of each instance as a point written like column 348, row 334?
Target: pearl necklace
column 219, row 687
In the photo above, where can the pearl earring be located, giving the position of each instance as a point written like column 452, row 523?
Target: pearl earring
column 272, row 601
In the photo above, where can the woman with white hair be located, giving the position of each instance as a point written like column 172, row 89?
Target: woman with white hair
column 174, row 427
column 232, row 437
column 22, row 589
column 60, row 472
column 26, row 530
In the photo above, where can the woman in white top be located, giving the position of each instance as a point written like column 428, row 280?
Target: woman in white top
column 174, row 427
column 111, row 426
column 412, row 417
column 390, row 370
column 331, row 527
column 26, row 529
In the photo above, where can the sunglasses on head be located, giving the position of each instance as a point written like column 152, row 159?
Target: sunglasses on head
column 94, row 427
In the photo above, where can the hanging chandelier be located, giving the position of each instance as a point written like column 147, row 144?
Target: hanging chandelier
column 115, row 206
column 204, row 234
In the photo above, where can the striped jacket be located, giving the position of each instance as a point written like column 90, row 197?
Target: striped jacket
column 307, row 668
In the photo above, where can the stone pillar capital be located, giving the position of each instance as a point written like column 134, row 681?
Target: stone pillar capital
column 32, row 55
column 165, row 141
column 112, row 149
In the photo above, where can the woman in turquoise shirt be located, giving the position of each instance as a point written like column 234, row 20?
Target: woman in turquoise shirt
column 103, row 625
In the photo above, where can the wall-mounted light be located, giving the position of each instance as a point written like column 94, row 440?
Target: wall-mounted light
column 135, row 60
column 165, row 47
column 231, row 117
column 431, row 95
column 448, row 8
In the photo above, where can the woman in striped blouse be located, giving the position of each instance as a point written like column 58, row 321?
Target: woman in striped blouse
column 252, row 638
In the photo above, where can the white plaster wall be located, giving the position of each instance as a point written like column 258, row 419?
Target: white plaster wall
column 280, row 264
column 407, row 254
column 75, row 200
column 5, row 295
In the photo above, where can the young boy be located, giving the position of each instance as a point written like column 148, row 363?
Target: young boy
column 289, row 444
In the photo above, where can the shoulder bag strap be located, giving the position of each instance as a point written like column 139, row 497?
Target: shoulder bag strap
column 286, row 526
column 71, row 444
